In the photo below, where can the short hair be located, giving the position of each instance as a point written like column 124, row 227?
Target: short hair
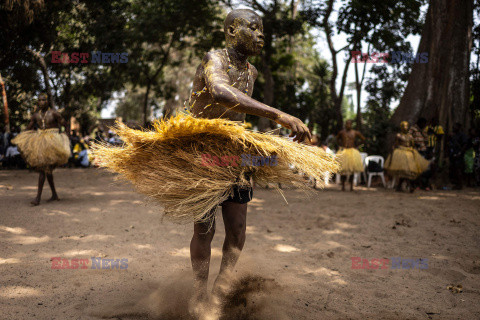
column 42, row 94
column 232, row 15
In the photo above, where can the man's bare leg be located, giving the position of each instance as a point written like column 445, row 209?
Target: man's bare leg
column 41, row 181
column 52, row 186
column 343, row 178
column 351, row 182
column 200, row 252
column 235, row 220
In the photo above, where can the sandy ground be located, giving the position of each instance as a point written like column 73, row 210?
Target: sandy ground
column 296, row 263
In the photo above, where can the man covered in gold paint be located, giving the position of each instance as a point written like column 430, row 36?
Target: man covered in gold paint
column 222, row 88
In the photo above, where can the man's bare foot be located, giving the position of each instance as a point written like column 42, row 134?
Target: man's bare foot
column 35, row 202
column 53, row 198
column 199, row 306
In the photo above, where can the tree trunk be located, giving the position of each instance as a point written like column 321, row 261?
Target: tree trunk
column 264, row 124
column 440, row 88
column 337, row 98
column 46, row 78
column 145, row 104
column 5, row 105
column 358, row 88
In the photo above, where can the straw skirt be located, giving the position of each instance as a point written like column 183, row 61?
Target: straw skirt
column 168, row 164
column 43, row 149
column 350, row 161
column 406, row 162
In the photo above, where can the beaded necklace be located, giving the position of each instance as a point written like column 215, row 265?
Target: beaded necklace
column 230, row 66
column 43, row 116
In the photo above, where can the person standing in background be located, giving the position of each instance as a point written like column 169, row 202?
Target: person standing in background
column 457, row 145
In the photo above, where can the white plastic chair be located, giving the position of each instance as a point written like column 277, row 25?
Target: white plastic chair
column 381, row 161
column 356, row 176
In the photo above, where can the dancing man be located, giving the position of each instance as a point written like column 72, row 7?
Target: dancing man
column 222, row 88
column 349, row 156
column 44, row 148
column 405, row 163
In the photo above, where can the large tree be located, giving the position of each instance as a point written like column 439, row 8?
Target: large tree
column 440, row 88
column 371, row 26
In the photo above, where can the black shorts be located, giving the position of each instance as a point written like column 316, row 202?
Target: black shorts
column 240, row 195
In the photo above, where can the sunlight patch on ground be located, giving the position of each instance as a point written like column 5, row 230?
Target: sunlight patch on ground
column 18, row 292
column 335, row 275
column 272, row 237
column 326, row 245
column 6, row 186
column 345, row 225
column 185, row 252
column 76, row 253
column 335, row 231
column 92, row 237
column 28, row 188
column 95, row 193
column 57, row 212
column 255, row 202
column 285, row 248
column 142, row 246
column 251, row 229
column 9, row 261
column 429, row 198
column 29, row 240
column 17, row 230
column 447, row 194
column 174, row 231
column 115, row 202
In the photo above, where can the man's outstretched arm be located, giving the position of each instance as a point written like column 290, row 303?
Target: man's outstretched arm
column 217, row 82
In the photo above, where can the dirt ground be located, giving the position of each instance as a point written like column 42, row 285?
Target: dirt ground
column 296, row 263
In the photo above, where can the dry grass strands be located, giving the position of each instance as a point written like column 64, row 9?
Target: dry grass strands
column 43, row 149
column 166, row 163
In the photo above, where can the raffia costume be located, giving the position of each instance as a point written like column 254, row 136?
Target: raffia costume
column 350, row 161
column 406, row 162
column 166, row 163
column 43, row 149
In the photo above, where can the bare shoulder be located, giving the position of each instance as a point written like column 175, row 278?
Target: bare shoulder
column 216, row 55
column 254, row 70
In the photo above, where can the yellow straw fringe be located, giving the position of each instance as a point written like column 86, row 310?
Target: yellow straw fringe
column 406, row 162
column 350, row 161
column 43, row 149
column 166, row 163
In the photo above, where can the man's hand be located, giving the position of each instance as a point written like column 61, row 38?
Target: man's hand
column 299, row 129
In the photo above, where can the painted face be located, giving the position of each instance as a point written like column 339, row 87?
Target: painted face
column 246, row 34
column 404, row 126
